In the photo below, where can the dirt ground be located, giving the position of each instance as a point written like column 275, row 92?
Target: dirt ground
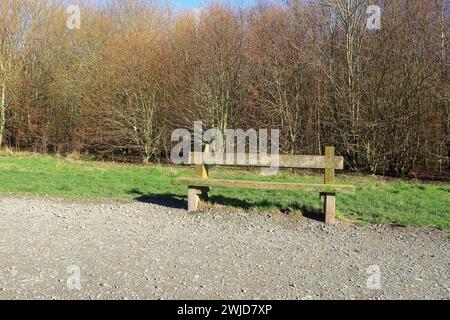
column 62, row 249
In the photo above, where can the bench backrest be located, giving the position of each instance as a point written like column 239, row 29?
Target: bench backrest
column 329, row 162
column 285, row 161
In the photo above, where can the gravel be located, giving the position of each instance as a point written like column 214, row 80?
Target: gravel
column 147, row 251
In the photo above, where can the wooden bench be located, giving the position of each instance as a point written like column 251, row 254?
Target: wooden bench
column 199, row 186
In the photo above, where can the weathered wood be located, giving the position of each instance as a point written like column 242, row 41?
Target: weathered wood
column 199, row 186
column 193, row 198
column 196, row 195
column 285, row 161
column 202, row 170
column 329, row 165
column 264, row 185
column 329, row 207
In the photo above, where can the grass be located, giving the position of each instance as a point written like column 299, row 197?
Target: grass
column 377, row 200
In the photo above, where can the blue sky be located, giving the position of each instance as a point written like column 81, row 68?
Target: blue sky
column 190, row 4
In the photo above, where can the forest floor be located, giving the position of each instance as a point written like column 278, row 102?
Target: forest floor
column 378, row 200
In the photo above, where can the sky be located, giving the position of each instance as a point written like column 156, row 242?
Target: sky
column 191, row 4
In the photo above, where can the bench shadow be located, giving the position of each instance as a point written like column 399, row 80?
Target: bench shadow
column 312, row 213
column 168, row 200
column 232, row 202
column 174, row 201
column 307, row 211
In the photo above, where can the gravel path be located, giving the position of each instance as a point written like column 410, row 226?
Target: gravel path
column 146, row 251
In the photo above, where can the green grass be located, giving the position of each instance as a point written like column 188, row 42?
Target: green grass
column 377, row 200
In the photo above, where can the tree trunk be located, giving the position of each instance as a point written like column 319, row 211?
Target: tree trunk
column 2, row 113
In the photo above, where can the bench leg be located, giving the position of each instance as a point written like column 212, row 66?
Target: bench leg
column 195, row 195
column 329, row 207
column 193, row 199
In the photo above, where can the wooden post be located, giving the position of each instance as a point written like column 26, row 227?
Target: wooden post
column 329, row 165
column 195, row 194
column 193, row 198
column 329, row 208
column 202, row 170
column 329, row 199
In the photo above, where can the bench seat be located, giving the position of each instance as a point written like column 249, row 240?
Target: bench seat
column 264, row 185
